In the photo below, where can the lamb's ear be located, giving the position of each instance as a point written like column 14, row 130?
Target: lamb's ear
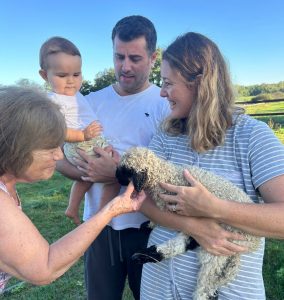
column 139, row 180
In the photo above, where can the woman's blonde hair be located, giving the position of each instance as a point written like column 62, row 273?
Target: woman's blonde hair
column 199, row 61
column 28, row 121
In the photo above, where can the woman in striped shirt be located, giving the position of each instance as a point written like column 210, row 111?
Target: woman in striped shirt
column 206, row 129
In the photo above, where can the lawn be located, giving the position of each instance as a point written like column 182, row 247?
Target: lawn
column 45, row 203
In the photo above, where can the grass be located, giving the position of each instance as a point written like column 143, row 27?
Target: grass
column 45, row 203
column 264, row 107
column 278, row 120
column 280, row 134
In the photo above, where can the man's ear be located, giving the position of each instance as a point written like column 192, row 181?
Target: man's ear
column 153, row 58
column 43, row 74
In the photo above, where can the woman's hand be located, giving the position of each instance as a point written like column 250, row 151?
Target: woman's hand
column 127, row 202
column 215, row 239
column 194, row 200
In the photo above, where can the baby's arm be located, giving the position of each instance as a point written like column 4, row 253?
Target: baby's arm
column 75, row 135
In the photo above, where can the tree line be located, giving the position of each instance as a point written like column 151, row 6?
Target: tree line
column 107, row 77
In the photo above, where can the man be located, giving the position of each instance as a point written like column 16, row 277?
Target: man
column 130, row 112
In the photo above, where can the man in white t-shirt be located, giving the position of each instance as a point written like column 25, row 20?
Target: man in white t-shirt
column 130, row 112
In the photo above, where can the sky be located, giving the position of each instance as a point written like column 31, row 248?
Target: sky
column 249, row 33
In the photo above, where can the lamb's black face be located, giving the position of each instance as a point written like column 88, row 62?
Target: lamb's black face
column 124, row 175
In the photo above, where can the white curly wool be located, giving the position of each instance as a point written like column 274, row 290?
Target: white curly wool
column 215, row 271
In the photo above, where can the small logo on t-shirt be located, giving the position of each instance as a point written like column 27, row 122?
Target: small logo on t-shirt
column 146, row 114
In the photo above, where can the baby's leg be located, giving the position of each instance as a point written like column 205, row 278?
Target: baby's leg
column 78, row 190
column 110, row 191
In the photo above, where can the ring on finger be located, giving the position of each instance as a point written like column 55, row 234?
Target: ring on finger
column 173, row 207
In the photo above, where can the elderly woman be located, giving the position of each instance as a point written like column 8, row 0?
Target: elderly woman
column 31, row 132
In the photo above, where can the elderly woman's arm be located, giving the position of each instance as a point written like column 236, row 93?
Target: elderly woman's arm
column 24, row 253
column 265, row 219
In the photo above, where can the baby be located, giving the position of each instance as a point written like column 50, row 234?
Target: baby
column 60, row 63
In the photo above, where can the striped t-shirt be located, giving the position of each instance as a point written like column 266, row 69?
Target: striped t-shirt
column 250, row 156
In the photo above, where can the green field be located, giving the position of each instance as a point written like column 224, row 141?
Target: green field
column 264, row 107
column 275, row 121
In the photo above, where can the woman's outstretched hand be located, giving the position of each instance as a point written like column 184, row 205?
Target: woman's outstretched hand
column 129, row 201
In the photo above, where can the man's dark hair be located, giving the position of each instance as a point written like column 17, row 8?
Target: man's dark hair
column 133, row 27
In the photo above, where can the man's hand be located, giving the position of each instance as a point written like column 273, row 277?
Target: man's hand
column 98, row 169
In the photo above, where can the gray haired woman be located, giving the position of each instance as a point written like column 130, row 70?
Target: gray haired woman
column 32, row 129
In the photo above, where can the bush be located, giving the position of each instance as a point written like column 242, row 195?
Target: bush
column 261, row 97
column 271, row 96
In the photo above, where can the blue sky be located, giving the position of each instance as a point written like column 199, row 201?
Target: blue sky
column 250, row 33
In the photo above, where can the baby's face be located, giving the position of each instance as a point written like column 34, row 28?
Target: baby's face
column 64, row 73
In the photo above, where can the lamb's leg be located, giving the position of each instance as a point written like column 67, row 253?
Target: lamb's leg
column 170, row 248
column 220, row 269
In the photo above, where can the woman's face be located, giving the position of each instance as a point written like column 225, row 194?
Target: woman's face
column 43, row 165
column 179, row 93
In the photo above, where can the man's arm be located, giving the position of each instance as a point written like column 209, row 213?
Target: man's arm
column 68, row 170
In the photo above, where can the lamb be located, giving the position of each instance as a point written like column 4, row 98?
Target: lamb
column 146, row 170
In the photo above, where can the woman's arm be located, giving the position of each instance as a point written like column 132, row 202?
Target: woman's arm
column 265, row 219
column 24, row 253
column 259, row 219
column 207, row 232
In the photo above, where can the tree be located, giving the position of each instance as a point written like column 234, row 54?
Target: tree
column 24, row 82
column 86, row 87
column 155, row 75
column 102, row 80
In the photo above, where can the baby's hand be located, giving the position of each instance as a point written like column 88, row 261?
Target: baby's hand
column 92, row 130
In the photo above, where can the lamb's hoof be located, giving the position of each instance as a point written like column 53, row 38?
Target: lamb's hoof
column 214, row 297
column 191, row 244
column 148, row 255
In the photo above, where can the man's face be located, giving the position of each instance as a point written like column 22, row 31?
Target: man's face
column 132, row 65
